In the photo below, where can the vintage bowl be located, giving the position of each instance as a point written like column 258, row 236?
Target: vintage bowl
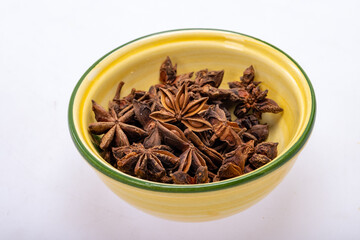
column 137, row 64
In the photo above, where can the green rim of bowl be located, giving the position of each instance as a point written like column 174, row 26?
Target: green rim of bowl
column 174, row 188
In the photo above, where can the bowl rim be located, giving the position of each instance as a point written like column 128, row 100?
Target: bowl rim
column 176, row 188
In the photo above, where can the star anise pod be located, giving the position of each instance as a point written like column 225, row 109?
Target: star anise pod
column 201, row 176
column 120, row 104
column 178, row 108
column 135, row 94
column 184, row 79
column 240, row 154
column 154, row 99
column 256, row 102
column 247, row 121
column 142, row 112
column 145, row 163
column 234, row 163
column 114, row 128
column 167, row 72
column 216, row 94
column 264, row 153
column 259, row 160
column 268, row 149
column 248, row 168
column 251, row 97
column 259, row 131
column 224, row 107
column 213, row 78
column 226, row 171
column 245, row 80
column 212, row 157
column 180, row 177
column 225, row 130
column 191, row 158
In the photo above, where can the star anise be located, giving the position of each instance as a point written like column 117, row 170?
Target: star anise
column 192, row 159
column 256, row 102
column 224, row 107
column 119, row 104
column 178, row 108
column 213, row 78
column 268, row 149
column 184, row 79
column 248, row 168
column 225, row 130
column 251, row 97
column 246, row 79
column 114, row 127
column 247, row 121
column 197, row 154
column 145, row 163
column 259, row 131
column 259, row 160
column 154, row 99
column 142, row 112
column 167, row 72
column 194, row 154
column 214, row 157
column 263, row 154
column 234, row 163
column 201, row 176
column 216, row 94
column 256, row 131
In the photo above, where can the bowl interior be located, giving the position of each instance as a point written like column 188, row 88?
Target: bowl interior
column 137, row 64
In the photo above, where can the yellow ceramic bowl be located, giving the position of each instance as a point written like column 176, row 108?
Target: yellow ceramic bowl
column 137, row 64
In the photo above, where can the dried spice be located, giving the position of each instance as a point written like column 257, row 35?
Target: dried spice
column 181, row 130
column 114, row 128
column 167, row 72
column 145, row 163
column 179, row 109
column 223, row 129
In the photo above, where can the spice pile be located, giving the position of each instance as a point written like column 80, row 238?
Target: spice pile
column 180, row 130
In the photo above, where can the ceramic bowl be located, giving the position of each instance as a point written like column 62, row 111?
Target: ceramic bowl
column 137, row 64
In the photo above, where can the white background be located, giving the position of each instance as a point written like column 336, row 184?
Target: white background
column 47, row 191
